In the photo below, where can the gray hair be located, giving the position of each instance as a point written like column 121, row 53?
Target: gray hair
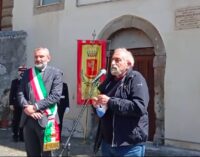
column 127, row 56
column 42, row 48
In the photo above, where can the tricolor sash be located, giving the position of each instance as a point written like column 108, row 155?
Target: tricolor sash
column 51, row 134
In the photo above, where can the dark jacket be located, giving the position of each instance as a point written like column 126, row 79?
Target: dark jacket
column 64, row 100
column 126, row 120
column 13, row 93
column 52, row 78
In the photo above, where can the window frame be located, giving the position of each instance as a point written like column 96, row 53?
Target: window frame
column 53, row 3
column 79, row 3
column 39, row 8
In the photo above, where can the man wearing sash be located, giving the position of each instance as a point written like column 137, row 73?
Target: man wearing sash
column 122, row 108
column 40, row 91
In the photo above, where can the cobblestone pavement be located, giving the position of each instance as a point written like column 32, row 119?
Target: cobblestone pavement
column 81, row 147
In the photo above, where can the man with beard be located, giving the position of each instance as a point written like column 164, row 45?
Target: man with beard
column 40, row 91
column 122, row 108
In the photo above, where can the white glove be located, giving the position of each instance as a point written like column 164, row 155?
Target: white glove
column 67, row 110
column 11, row 107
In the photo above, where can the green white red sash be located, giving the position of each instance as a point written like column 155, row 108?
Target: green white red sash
column 51, row 135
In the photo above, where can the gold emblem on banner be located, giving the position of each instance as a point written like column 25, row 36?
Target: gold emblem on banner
column 90, row 66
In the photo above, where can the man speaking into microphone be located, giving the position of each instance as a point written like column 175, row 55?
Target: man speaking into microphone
column 122, row 108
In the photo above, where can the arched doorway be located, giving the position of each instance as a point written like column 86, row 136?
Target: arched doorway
column 143, row 39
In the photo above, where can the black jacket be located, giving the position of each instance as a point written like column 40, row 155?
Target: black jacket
column 64, row 100
column 13, row 93
column 126, row 120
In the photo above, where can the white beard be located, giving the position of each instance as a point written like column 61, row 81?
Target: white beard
column 41, row 66
column 115, row 71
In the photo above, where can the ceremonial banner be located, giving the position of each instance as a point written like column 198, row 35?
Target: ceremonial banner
column 91, row 59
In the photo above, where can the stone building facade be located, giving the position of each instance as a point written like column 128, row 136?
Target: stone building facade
column 6, row 7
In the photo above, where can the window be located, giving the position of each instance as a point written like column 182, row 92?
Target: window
column 43, row 6
column 92, row 2
column 89, row 2
column 48, row 2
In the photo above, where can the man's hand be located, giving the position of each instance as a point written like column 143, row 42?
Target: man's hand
column 100, row 100
column 29, row 109
column 103, row 99
column 36, row 115
column 95, row 102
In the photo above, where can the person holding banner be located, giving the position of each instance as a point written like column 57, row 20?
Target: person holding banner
column 40, row 91
column 122, row 109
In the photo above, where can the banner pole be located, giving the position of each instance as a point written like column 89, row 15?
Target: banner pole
column 86, row 124
column 67, row 144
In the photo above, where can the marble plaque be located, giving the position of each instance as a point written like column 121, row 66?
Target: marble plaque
column 187, row 18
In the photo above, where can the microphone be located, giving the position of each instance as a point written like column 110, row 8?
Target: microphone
column 102, row 72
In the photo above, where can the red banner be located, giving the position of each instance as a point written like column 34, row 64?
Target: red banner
column 91, row 59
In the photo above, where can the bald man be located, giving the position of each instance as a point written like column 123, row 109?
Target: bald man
column 40, row 91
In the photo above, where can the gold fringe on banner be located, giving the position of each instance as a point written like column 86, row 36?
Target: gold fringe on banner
column 51, row 146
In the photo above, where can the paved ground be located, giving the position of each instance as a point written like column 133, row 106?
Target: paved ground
column 81, row 147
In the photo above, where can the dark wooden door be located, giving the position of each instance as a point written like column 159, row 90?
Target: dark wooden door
column 144, row 64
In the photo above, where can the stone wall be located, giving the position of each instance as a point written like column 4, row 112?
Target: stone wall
column 12, row 55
